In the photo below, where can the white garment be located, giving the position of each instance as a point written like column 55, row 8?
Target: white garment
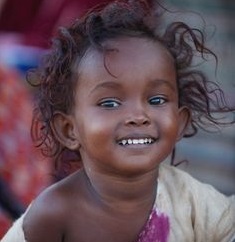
column 197, row 212
column 15, row 233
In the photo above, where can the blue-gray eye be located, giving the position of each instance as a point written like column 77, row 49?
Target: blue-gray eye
column 109, row 103
column 157, row 100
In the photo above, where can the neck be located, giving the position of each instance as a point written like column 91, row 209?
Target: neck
column 125, row 194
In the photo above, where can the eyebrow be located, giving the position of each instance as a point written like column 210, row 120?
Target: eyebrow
column 162, row 82
column 106, row 85
column 116, row 85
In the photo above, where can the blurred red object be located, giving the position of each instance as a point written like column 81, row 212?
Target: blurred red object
column 38, row 19
column 21, row 166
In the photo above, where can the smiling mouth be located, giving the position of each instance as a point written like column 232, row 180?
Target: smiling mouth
column 141, row 141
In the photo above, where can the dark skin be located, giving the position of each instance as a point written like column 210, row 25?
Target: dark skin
column 80, row 214
column 111, row 197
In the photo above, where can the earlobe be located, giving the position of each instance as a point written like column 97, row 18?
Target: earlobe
column 63, row 129
column 184, row 120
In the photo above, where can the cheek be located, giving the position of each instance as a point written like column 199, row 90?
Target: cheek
column 95, row 129
column 168, row 135
column 170, row 125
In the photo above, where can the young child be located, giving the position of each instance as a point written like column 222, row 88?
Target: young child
column 118, row 92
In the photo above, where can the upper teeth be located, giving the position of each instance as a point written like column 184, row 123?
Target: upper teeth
column 136, row 141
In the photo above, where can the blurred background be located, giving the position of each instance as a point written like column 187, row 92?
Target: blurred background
column 25, row 31
column 211, row 156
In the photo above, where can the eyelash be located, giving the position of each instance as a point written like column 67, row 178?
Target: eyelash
column 156, row 100
column 113, row 103
column 109, row 103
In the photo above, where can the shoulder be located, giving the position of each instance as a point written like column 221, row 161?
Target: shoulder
column 180, row 181
column 185, row 186
column 47, row 216
column 209, row 212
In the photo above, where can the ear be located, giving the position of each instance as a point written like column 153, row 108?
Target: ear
column 64, row 131
column 184, row 120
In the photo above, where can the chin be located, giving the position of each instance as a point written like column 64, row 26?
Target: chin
column 138, row 169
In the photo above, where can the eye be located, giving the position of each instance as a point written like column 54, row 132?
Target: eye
column 157, row 100
column 109, row 103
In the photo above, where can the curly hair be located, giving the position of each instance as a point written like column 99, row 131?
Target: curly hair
column 56, row 78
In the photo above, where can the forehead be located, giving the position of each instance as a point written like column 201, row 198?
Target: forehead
column 128, row 55
column 127, row 60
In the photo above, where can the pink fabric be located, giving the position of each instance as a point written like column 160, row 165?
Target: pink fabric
column 156, row 228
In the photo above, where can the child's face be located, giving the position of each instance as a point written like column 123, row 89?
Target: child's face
column 127, row 122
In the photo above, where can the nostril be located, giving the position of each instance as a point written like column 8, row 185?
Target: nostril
column 137, row 121
column 147, row 121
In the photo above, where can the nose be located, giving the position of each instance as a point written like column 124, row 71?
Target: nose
column 137, row 117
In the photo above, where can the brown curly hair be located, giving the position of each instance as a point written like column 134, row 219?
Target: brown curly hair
column 56, row 78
